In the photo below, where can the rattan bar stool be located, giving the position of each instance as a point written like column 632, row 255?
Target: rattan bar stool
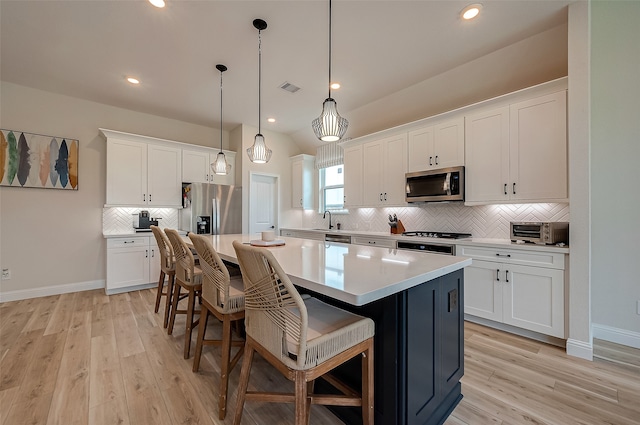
column 167, row 269
column 304, row 340
column 188, row 277
column 223, row 297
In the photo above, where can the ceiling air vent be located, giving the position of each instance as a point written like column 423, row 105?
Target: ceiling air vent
column 291, row 88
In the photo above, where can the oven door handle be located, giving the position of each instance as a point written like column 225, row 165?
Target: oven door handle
column 447, row 184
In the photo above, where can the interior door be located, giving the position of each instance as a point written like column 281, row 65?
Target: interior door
column 263, row 203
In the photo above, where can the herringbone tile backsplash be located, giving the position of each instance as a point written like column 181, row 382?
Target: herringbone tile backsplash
column 120, row 220
column 485, row 221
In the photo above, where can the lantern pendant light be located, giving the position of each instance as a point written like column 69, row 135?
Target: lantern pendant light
column 330, row 126
column 259, row 152
column 221, row 166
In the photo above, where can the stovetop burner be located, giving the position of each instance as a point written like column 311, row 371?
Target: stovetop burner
column 443, row 235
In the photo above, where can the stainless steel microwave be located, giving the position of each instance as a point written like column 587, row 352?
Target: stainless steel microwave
column 445, row 184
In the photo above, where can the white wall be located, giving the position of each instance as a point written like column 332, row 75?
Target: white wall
column 511, row 68
column 54, row 237
column 615, row 167
column 283, row 148
column 579, row 339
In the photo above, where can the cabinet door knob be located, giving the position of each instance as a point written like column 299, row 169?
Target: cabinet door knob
column 144, row 197
column 381, row 196
column 153, row 253
column 436, row 159
column 149, row 197
column 505, row 188
column 514, row 188
column 503, row 255
column 506, row 275
column 385, row 196
column 146, row 253
column 430, row 160
column 498, row 275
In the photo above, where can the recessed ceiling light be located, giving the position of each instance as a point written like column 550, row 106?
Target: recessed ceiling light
column 133, row 80
column 471, row 11
column 335, row 86
column 157, row 3
column 271, row 119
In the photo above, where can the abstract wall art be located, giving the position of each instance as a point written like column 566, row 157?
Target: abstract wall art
column 34, row 160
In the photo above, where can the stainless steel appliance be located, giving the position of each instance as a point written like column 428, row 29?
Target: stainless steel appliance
column 337, row 238
column 540, row 232
column 438, row 248
column 446, row 184
column 211, row 209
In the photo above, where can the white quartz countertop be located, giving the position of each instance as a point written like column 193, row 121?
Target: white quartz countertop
column 351, row 273
column 486, row 242
column 108, row 235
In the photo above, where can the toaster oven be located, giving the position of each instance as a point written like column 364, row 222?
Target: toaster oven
column 545, row 233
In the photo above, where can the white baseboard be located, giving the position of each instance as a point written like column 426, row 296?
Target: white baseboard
column 581, row 349
column 50, row 290
column 616, row 335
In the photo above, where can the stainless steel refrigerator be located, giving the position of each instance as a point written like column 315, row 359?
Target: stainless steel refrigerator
column 211, row 209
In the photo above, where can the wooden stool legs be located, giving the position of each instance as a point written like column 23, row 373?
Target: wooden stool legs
column 159, row 292
column 227, row 363
column 167, row 304
column 190, row 312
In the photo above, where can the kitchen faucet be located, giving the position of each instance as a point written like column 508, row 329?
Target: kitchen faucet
column 325, row 216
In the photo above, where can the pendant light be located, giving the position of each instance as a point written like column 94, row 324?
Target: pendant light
column 221, row 166
column 330, row 126
column 259, row 152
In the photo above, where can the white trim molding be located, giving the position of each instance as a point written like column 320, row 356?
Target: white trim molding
column 581, row 349
column 51, row 290
column 616, row 335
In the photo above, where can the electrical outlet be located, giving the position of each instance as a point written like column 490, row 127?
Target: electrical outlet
column 6, row 274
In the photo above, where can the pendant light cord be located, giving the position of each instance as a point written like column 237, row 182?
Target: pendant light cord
column 329, row 48
column 259, row 77
column 221, row 111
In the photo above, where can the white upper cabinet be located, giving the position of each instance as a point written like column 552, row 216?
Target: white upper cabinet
column 196, row 166
column 143, row 174
column 518, row 152
column 384, row 168
column 436, row 146
column 353, row 176
column 538, row 148
column 163, row 175
column 126, row 172
column 302, row 181
column 487, row 154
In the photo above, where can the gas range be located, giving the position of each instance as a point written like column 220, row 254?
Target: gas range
column 443, row 235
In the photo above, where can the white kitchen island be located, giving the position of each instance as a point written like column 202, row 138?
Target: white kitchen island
column 416, row 302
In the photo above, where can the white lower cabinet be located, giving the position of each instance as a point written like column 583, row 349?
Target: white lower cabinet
column 372, row 241
column 302, row 234
column 131, row 261
column 517, row 287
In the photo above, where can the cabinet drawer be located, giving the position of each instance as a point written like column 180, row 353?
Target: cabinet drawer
column 381, row 242
column 135, row 241
column 513, row 256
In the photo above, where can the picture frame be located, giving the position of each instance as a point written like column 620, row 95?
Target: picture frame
column 38, row 161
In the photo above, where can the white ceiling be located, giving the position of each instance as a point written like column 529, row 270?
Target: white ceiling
column 85, row 49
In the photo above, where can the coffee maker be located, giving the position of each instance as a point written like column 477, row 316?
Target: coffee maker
column 142, row 222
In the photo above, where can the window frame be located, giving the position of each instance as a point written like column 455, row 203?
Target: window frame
column 322, row 192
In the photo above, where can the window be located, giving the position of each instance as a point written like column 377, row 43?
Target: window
column 332, row 188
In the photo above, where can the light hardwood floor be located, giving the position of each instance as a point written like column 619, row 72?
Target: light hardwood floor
column 88, row 358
